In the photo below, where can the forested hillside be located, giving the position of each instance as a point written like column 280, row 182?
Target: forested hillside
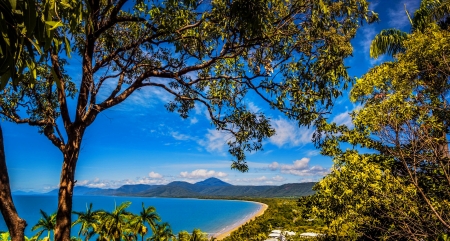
column 211, row 187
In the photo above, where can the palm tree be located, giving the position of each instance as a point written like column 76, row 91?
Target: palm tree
column 46, row 223
column 116, row 225
column 184, row 236
column 432, row 15
column 197, row 235
column 390, row 41
column 163, row 232
column 147, row 215
column 88, row 221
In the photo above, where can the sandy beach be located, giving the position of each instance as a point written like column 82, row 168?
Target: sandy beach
column 227, row 230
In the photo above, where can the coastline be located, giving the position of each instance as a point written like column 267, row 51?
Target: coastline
column 225, row 232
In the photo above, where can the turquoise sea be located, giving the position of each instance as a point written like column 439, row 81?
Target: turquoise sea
column 210, row 216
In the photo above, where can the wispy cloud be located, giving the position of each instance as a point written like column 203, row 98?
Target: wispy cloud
column 310, row 171
column 288, row 133
column 215, row 141
column 309, row 179
column 201, row 111
column 312, row 153
column 253, row 108
column 397, row 15
column 278, row 178
column 179, row 136
column 202, row 174
column 152, row 179
column 300, row 168
column 373, row 5
column 343, row 118
column 193, row 120
column 369, row 32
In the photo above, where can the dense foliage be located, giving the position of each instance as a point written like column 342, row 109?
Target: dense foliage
column 394, row 183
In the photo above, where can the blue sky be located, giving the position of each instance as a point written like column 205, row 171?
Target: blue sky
column 140, row 142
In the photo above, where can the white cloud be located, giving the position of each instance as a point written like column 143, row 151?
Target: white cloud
column 311, row 153
column 278, row 178
column 308, row 180
column 289, row 133
column 253, row 108
column 254, row 181
column 215, row 141
column 193, row 120
column 178, row 136
column 274, row 166
column 201, row 110
column 261, row 179
column 153, row 179
column 82, row 182
column 313, row 171
column 343, row 119
column 155, row 175
column 298, row 165
column 97, row 185
column 202, row 173
column 300, row 168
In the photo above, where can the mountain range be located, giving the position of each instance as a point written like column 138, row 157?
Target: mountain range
column 211, row 187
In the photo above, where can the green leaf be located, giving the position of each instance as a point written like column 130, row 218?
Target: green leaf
column 13, row 5
column 67, row 45
column 38, row 49
column 54, row 24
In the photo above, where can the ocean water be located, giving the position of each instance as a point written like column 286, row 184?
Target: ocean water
column 211, row 216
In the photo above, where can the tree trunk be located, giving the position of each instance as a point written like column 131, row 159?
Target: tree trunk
column 66, row 185
column 16, row 225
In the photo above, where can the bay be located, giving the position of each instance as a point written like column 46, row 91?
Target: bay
column 211, row 216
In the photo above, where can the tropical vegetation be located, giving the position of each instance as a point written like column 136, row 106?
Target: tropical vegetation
column 390, row 179
column 118, row 224
column 391, row 173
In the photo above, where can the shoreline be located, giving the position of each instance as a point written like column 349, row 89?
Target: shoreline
column 225, row 232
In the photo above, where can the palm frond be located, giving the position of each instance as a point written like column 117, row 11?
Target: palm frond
column 388, row 41
column 431, row 11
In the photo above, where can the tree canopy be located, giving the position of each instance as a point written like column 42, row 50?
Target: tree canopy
column 209, row 53
column 393, row 184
